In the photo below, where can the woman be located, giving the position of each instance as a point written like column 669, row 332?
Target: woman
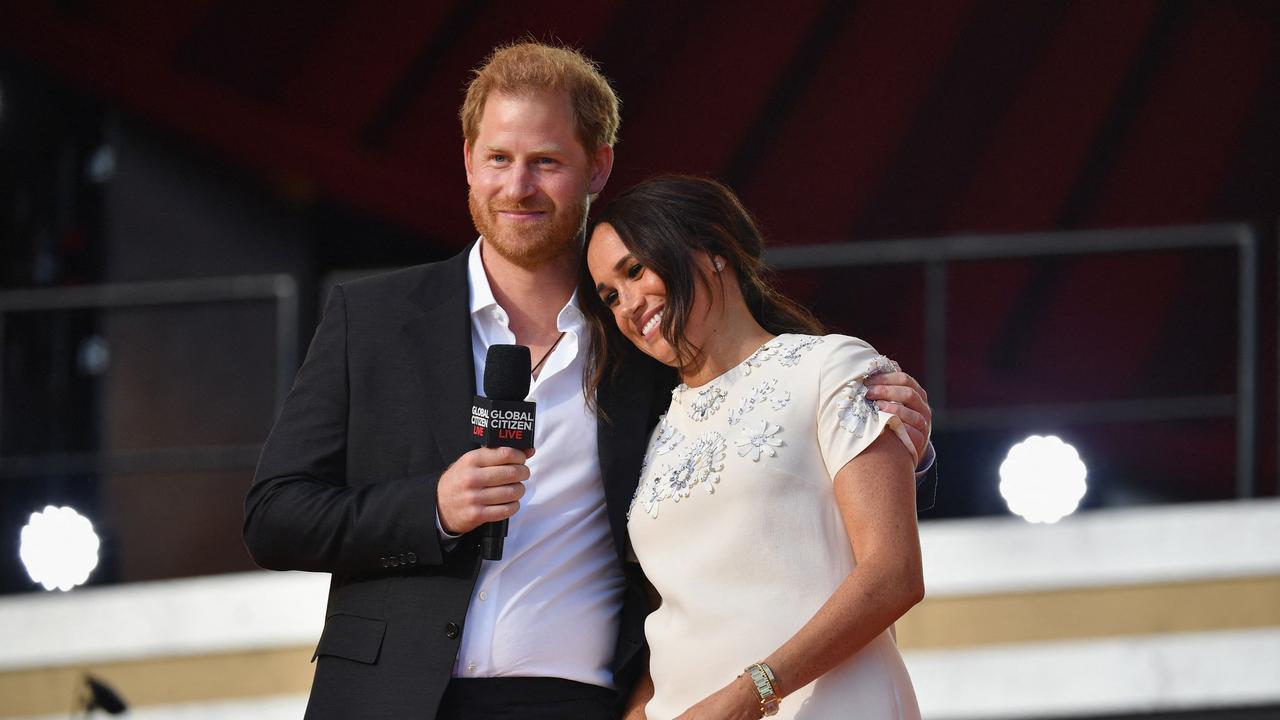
column 775, row 516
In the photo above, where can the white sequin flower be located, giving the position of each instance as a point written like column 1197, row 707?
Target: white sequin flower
column 666, row 437
column 882, row 364
column 760, row 440
column 706, row 403
column 854, row 409
column 791, row 354
column 758, row 358
column 700, row 463
column 758, row 394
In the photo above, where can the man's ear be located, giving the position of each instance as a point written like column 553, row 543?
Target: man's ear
column 466, row 159
column 601, row 167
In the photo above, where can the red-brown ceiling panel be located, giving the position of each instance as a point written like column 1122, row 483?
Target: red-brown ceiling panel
column 816, row 174
column 1174, row 155
column 158, row 28
column 725, row 63
column 354, row 66
column 1023, row 178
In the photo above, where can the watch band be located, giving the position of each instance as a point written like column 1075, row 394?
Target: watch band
column 766, row 686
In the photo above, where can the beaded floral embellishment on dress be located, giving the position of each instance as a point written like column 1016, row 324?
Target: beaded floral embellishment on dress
column 706, row 403
column 666, row 438
column 791, row 354
column 759, row 440
column 698, row 464
column 763, row 354
column 854, row 409
column 758, row 394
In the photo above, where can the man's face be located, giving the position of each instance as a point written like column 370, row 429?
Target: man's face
column 530, row 177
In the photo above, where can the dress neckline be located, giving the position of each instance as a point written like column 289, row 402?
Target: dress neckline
column 735, row 370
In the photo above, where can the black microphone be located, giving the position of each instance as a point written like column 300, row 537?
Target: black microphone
column 502, row 419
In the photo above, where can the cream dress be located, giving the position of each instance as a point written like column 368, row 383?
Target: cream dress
column 736, row 525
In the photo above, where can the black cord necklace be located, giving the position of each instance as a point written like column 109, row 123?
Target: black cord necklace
column 547, row 354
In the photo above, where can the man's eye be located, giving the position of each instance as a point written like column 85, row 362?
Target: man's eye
column 635, row 270
column 498, row 158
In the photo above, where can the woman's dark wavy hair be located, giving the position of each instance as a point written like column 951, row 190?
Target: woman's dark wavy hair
column 665, row 222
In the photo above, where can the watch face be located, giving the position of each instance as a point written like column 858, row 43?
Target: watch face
column 770, row 707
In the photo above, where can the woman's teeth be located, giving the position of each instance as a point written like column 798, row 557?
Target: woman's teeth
column 653, row 323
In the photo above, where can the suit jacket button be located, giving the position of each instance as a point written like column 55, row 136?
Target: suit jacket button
column 413, row 558
column 404, row 559
column 451, row 630
column 386, row 562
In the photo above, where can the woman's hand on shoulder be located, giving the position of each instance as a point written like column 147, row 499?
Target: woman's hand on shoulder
column 736, row 701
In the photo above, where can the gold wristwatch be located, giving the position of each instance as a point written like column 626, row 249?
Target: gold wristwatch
column 767, row 686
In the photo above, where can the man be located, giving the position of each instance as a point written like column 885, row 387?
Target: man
column 369, row 473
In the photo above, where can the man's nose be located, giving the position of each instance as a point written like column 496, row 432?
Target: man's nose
column 520, row 182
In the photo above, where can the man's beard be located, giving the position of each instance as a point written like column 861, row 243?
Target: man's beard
column 531, row 247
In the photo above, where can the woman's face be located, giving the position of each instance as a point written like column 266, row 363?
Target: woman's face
column 637, row 297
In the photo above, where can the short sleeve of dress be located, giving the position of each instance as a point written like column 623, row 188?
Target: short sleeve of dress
column 847, row 421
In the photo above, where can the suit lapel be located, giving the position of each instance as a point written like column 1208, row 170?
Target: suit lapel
column 440, row 335
column 629, row 403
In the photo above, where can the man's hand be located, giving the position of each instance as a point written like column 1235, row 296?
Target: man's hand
column 484, row 485
column 900, row 394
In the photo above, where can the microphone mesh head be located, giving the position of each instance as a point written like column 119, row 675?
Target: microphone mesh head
column 506, row 372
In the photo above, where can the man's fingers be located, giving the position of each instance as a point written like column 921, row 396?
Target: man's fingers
column 899, row 394
column 912, row 419
column 500, row 494
column 918, row 440
column 897, row 378
column 488, row 457
column 917, row 427
column 484, row 485
column 494, row 513
column 497, row 475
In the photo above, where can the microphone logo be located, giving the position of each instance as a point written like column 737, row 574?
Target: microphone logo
column 502, row 423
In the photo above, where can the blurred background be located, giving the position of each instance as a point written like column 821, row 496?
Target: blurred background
column 1062, row 217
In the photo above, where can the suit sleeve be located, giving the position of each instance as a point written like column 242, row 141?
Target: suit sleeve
column 301, row 513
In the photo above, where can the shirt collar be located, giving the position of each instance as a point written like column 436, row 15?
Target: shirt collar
column 570, row 317
column 481, row 293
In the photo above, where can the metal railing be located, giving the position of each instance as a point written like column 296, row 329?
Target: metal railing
column 936, row 254
column 282, row 289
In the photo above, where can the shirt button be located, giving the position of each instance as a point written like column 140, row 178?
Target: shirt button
column 471, row 667
column 484, row 595
column 451, row 630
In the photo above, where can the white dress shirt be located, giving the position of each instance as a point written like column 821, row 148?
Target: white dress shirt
column 550, row 606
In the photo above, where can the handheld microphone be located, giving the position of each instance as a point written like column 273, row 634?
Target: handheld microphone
column 502, row 419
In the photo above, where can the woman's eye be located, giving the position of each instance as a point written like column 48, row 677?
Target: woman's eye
column 635, row 270
column 610, row 299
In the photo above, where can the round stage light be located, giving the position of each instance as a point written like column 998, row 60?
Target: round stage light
column 59, row 548
column 1042, row 479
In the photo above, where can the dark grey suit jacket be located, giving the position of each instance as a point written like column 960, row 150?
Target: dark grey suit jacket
column 347, row 485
